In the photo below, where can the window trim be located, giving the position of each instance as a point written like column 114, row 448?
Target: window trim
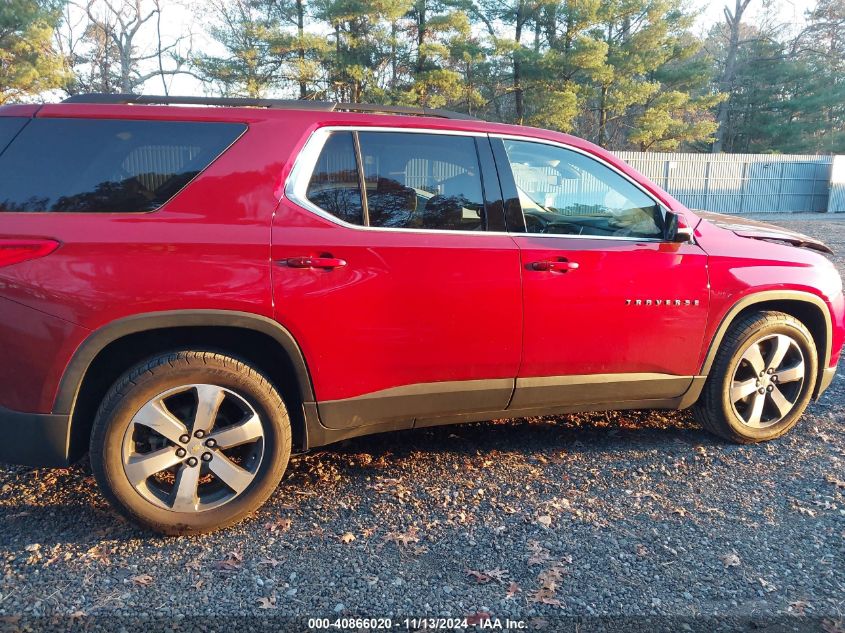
column 600, row 161
column 296, row 186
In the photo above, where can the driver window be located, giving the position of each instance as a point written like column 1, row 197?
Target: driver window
column 567, row 193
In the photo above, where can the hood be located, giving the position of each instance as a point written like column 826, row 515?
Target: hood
column 763, row 231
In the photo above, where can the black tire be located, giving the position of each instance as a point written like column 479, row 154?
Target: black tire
column 143, row 384
column 715, row 409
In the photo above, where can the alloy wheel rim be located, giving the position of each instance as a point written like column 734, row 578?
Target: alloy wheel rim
column 193, row 448
column 767, row 381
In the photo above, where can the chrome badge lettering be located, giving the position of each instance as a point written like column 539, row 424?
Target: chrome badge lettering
column 662, row 302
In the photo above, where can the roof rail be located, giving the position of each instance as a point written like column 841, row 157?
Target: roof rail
column 248, row 102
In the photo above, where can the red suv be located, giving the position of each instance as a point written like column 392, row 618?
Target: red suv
column 190, row 293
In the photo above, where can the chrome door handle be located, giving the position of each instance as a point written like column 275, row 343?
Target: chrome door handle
column 327, row 263
column 558, row 266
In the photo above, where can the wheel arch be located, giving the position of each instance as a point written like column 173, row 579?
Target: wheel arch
column 250, row 337
column 808, row 308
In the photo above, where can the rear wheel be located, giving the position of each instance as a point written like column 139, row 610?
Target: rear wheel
column 190, row 442
column 762, row 379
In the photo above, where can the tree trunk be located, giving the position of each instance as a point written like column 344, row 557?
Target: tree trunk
column 517, row 65
column 602, row 139
column 734, row 22
column 300, row 30
column 422, row 32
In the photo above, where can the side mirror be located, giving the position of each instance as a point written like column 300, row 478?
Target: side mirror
column 676, row 229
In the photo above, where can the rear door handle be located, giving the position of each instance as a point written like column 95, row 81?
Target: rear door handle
column 326, row 263
column 555, row 265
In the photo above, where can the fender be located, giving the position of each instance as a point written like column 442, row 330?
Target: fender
column 773, row 295
column 80, row 362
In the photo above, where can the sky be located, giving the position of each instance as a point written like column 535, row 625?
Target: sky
column 786, row 11
column 180, row 18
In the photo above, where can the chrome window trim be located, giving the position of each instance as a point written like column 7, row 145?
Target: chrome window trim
column 296, row 185
column 648, row 194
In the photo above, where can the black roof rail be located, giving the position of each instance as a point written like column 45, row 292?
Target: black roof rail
column 248, row 102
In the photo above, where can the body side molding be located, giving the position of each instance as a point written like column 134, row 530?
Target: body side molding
column 576, row 390
column 407, row 402
column 99, row 339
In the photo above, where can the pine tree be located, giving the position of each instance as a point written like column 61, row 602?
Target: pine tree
column 443, row 47
column 29, row 64
column 360, row 55
column 251, row 66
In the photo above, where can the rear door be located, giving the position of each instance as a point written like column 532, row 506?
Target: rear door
column 403, row 293
column 613, row 312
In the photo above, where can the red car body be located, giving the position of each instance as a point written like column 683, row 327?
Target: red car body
column 418, row 328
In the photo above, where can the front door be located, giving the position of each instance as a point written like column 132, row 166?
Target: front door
column 612, row 312
column 403, row 300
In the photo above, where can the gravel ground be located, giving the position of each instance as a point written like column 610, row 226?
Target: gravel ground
column 633, row 520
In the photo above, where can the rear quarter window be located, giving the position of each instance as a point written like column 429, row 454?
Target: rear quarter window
column 106, row 165
column 9, row 127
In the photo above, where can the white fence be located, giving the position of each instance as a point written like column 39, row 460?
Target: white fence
column 747, row 183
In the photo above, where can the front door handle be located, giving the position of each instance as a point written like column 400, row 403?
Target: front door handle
column 555, row 265
column 326, row 263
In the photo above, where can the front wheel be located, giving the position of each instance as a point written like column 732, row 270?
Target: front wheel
column 762, row 379
column 190, row 442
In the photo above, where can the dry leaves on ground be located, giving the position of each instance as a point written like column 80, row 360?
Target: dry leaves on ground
column 232, row 563
column 483, row 577
column 267, row 603
column 280, row 525
column 403, row 539
column 731, row 560
column 142, row 580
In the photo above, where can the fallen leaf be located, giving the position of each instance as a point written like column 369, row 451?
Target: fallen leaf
column 539, row 554
column 33, row 548
column 347, row 538
column 100, row 553
column 480, row 577
column 836, row 482
column 499, row 575
column 232, row 563
column 270, row 561
column 767, row 586
column 731, row 560
column 267, row 603
column 403, row 539
column 798, row 607
column 281, row 525
column 477, row 618
column 142, row 580
column 544, row 520
column 198, row 584
column 513, row 589
column 545, row 596
column 193, row 565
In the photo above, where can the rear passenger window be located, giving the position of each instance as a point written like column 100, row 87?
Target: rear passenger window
column 9, row 126
column 422, row 181
column 106, row 166
column 411, row 180
column 334, row 183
